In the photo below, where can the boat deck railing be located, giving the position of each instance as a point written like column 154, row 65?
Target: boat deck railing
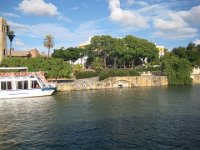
column 11, row 74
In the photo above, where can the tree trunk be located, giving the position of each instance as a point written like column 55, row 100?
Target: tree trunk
column 48, row 52
column 115, row 64
column 124, row 64
column 10, row 48
column 104, row 61
column 132, row 63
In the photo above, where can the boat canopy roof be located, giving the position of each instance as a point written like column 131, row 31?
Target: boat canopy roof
column 14, row 68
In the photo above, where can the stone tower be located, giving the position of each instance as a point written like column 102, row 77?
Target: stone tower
column 3, row 36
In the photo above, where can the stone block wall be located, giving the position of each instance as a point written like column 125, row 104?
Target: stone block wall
column 115, row 82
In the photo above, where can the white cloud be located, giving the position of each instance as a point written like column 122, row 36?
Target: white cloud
column 10, row 15
column 182, row 33
column 20, row 29
column 38, row 7
column 174, row 22
column 154, row 10
column 191, row 16
column 125, row 17
column 62, row 36
column 177, row 25
column 18, row 42
column 164, row 21
column 197, row 41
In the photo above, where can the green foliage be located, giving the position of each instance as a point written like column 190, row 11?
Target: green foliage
column 97, row 64
column 69, row 54
column 191, row 52
column 117, row 73
column 177, row 70
column 121, row 72
column 78, row 68
column 122, row 52
column 141, row 69
column 53, row 67
column 133, row 72
column 86, row 74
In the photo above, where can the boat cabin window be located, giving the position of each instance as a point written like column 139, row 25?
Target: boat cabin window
column 35, row 84
column 22, row 85
column 6, row 85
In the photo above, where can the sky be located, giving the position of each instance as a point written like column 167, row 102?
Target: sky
column 168, row 23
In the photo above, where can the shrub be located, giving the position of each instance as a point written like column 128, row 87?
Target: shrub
column 105, row 74
column 177, row 70
column 141, row 69
column 78, row 68
column 86, row 74
column 118, row 72
column 133, row 73
column 97, row 64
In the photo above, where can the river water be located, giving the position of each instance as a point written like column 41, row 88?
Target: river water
column 135, row 118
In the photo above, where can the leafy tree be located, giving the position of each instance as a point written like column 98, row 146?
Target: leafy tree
column 78, row 68
column 59, row 53
column 97, row 65
column 180, row 51
column 191, row 52
column 177, row 70
column 132, row 46
column 101, row 45
column 117, row 50
column 128, row 51
column 48, row 42
column 69, row 54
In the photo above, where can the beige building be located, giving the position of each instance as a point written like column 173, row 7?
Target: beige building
column 3, row 36
column 161, row 50
column 26, row 54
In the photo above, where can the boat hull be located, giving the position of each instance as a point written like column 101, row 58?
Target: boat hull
column 26, row 93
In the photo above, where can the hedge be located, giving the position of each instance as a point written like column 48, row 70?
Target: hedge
column 118, row 72
column 86, row 74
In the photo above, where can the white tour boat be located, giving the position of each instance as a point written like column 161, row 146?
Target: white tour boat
column 23, row 83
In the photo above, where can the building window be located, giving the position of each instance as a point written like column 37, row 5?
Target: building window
column 4, row 52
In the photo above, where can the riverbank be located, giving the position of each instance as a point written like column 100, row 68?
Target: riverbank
column 113, row 82
column 116, row 82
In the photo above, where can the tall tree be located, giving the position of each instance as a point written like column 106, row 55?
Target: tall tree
column 101, row 45
column 48, row 42
column 117, row 50
column 11, row 35
column 177, row 70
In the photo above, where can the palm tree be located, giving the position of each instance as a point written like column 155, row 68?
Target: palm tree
column 48, row 42
column 11, row 36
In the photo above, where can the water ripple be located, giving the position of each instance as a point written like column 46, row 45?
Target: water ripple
column 140, row 118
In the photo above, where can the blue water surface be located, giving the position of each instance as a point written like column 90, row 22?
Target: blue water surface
column 161, row 118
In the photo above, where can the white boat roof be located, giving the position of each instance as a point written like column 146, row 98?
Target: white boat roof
column 14, row 68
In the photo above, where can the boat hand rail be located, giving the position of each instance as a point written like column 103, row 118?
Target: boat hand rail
column 12, row 74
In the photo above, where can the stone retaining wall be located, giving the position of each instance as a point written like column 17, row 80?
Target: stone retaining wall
column 115, row 82
column 195, row 78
